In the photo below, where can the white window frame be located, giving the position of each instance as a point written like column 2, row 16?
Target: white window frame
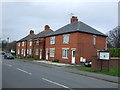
column 52, row 52
column 66, row 39
column 30, row 51
column 52, row 40
column 23, row 43
column 66, row 52
column 36, row 53
column 30, row 43
column 18, row 43
column 94, row 39
column 37, row 42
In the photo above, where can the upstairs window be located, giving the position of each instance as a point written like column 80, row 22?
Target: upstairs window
column 19, row 44
column 30, row 43
column 52, row 50
column 52, row 40
column 65, row 39
column 37, row 42
column 23, row 43
column 94, row 39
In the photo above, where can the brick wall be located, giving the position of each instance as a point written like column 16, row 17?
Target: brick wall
column 113, row 62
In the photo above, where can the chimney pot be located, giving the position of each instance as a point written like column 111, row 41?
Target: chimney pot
column 74, row 19
column 46, row 27
column 31, row 32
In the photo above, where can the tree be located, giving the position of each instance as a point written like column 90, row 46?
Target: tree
column 113, row 38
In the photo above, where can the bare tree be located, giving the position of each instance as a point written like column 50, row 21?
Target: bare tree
column 114, row 37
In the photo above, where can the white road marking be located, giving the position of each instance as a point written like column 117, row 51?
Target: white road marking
column 24, row 71
column 8, row 65
column 56, row 83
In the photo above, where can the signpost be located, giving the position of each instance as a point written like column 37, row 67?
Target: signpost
column 104, row 55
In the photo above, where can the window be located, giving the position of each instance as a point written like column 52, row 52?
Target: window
column 52, row 50
column 65, row 52
column 30, row 51
column 52, row 40
column 19, row 44
column 23, row 43
column 37, row 42
column 18, row 51
column 65, row 39
column 30, row 43
column 94, row 39
column 36, row 51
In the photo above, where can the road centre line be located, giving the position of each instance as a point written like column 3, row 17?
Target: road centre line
column 8, row 65
column 56, row 83
column 24, row 71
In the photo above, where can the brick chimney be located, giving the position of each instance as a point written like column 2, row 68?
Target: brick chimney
column 74, row 19
column 46, row 27
column 31, row 32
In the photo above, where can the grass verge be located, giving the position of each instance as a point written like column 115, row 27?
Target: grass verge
column 111, row 71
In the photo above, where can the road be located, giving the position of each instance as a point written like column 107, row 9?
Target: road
column 20, row 74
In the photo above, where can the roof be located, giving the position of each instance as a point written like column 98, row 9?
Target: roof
column 30, row 36
column 76, row 27
column 43, row 33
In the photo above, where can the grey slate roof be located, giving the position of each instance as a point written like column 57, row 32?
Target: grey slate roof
column 27, row 37
column 43, row 33
column 76, row 27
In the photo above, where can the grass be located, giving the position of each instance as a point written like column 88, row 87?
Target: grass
column 111, row 71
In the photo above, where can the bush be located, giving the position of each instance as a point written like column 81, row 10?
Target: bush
column 115, row 52
column 55, row 60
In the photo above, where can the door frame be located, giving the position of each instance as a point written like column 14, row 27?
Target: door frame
column 46, row 53
column 40, row 53
column 73, row 59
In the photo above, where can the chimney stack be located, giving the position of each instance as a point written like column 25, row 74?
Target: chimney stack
column 46, row 27
column 31, row 32
column 74, row 19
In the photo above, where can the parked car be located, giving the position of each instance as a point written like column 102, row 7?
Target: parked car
column 8, row 56
column 88, row 63
column 3, row 53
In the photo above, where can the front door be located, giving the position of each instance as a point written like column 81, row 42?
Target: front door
column 73, row 56
column 40, row 53
column 47, row 54
column 24, row 52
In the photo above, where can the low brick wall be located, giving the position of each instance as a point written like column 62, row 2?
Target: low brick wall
column 113, row 62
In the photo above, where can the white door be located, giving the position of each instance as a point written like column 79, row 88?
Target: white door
column 40, row 53
column 47, row 54
column 24, row 52
column 73, row 56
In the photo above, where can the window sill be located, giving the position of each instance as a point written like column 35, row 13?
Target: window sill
column 64, row 58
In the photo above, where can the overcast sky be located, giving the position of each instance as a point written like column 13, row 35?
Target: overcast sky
column 18, row 18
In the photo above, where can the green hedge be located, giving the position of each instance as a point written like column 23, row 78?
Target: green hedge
column 115, row 52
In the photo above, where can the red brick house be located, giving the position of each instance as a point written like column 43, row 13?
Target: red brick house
column 24, row 46
column 74, row 43
column 39, row 43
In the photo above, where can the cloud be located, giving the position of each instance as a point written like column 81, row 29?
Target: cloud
column 18, row 18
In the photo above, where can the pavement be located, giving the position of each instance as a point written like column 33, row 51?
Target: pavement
column 26, row 74
column 85, row 73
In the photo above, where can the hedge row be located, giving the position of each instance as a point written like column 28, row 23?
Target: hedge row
column 115, row 52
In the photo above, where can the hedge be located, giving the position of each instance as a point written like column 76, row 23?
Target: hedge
column 115, row 52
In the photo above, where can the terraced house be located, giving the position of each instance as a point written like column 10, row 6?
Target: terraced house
column 73, row 43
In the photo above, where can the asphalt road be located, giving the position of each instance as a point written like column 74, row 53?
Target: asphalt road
column 20, row 74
